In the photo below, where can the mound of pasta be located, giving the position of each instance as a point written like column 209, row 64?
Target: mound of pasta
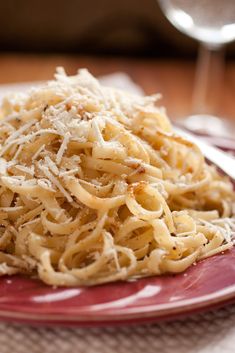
column 96, row 187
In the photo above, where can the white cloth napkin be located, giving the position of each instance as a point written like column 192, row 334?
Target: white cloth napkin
column 213, row 332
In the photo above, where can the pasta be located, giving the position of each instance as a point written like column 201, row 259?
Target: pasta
column 95, row 187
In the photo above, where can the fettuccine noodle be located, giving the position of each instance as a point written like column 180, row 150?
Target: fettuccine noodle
column 96, row 187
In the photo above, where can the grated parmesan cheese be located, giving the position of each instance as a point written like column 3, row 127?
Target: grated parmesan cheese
column 55, row 181
column 63, row 147
column 28, row 170
column 52, row 165
column 37, row 153
column 3, row 166
column 20, row 131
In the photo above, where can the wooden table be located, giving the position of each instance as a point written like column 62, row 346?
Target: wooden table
column 174, row 79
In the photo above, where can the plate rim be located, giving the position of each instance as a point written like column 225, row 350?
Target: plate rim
column 154, row 311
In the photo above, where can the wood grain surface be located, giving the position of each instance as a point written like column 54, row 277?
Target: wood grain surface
column 174, row 79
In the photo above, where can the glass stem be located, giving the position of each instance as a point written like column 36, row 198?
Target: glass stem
column 208, row 80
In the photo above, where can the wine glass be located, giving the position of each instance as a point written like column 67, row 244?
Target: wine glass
column 212, row 23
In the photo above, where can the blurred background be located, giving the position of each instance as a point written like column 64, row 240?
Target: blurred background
column 105, row 36
column 104, row 27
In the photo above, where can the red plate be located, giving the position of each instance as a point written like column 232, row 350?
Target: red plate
column 209, row 284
